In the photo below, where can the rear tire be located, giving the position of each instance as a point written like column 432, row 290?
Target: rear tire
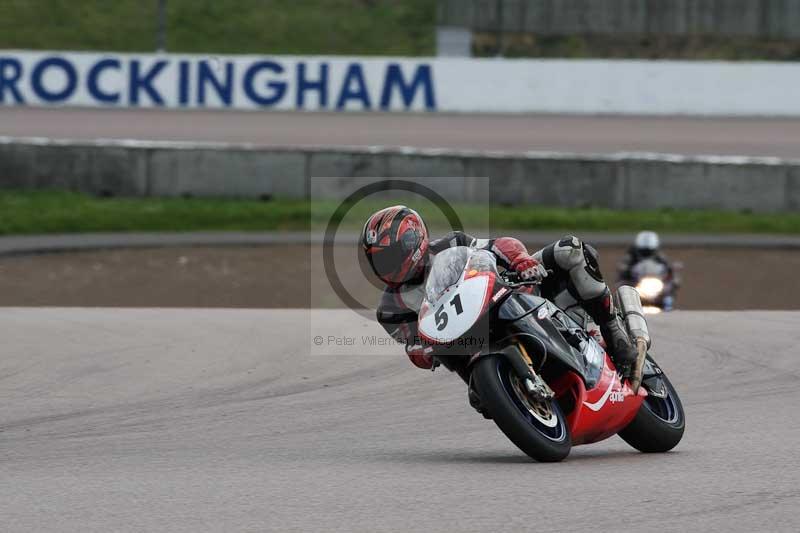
column 543, row 437
column 659, row 424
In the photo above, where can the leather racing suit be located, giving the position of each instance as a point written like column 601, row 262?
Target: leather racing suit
column 574, row 267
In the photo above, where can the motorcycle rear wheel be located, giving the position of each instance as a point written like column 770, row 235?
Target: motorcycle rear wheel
column 538, row 428
column 659, row 424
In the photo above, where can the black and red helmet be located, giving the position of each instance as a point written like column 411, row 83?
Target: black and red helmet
column 395, row 241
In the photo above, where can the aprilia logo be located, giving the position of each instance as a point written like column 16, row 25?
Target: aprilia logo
column 617, row 396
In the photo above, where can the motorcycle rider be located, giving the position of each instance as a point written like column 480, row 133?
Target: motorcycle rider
column 396, row 245
column 645, row 246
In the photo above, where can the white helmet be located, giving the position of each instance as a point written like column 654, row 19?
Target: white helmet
column 647, row 241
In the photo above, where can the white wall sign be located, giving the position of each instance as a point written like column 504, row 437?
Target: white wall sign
column 321, row 83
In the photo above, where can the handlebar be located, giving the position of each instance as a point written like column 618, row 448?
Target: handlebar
column 512, row 279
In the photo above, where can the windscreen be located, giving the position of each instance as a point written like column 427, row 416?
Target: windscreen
column 448, row 265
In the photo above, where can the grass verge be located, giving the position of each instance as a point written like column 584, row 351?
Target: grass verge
column 362, row 27
column 40, row 212
column 352, row 27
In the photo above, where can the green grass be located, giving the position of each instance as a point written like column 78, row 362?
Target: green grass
column 352, row 27
column 66, row 212
column 363, row 27
column 39, row 212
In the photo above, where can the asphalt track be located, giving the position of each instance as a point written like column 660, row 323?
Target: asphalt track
column 513, row 133
column 212, row 420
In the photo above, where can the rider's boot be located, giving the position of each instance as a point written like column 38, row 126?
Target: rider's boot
column 618, row 343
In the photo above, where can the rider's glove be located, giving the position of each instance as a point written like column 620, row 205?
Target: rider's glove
column 529, row 269
column 420, row 356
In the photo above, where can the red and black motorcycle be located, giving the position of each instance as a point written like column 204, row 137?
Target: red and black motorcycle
column 531, row 367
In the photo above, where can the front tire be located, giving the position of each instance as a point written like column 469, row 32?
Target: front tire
column 660, row 422
column 538, row 428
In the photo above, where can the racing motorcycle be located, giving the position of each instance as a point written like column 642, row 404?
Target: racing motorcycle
column 534, row 369
column 655, row 284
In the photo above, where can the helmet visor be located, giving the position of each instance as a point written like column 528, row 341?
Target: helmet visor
column 389, row 261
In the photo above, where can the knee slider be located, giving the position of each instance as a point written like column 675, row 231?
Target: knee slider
column 568, row 252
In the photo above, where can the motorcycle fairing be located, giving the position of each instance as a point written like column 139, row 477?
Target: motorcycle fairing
column 597, row 402
column 600, row 412
column 559, row 334
column 459, row 291
column 453, row 314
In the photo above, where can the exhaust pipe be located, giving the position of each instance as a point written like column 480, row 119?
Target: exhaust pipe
column 631, row 306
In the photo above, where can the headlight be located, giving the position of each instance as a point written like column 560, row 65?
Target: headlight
column 650, row 287
column 651, row 310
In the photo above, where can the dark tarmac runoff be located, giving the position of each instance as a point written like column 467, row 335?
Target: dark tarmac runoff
column 192, row 274
column 775, row 137
column 227, row 420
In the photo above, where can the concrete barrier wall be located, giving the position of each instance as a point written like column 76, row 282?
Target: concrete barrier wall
column 620, row 181
column 751, row 18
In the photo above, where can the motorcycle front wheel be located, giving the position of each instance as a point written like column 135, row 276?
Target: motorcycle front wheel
column 538, row 427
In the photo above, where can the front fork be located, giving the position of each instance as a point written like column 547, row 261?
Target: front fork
column 534, row 384
column 517, row 356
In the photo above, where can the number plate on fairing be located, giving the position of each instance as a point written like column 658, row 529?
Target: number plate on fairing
column 455, row 311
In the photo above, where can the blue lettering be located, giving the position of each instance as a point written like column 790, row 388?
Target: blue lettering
column 138, row 81
column 303, row 85
column 54, row 96
column 354, row 74
column 422, row 78
column 223, row 88
column 279, row 87
column 92, row 81
column 183, row 83
column 10, row 73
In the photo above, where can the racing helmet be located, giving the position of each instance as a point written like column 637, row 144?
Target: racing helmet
column 395, row 242
column 647, row 243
